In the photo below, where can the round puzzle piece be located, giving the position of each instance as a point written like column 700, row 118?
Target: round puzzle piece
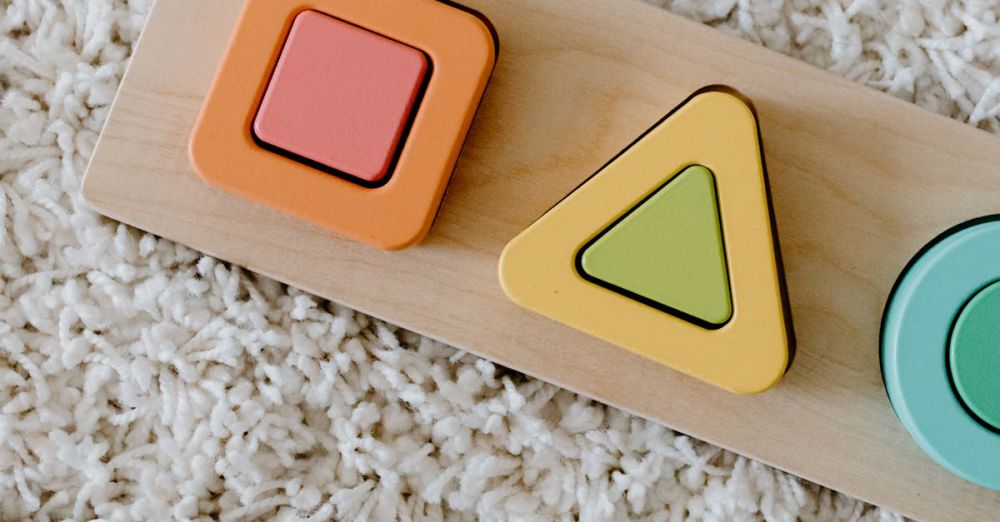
column 941, row 288
column 974, row 357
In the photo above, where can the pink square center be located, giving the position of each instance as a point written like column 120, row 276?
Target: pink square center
column 341, row 96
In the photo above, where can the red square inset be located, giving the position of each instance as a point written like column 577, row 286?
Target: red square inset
column 341, row 97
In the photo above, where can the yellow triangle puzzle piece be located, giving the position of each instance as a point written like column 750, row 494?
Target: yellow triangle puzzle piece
column 627, row 259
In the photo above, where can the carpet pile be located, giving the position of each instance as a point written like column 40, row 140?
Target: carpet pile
column 141, row 380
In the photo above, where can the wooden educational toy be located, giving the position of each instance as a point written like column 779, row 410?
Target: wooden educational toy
column 941, row 350
column 668, row 251
column 348, row 114
column 859, row 183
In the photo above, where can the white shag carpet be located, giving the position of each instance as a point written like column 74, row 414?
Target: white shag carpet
column 142, row 380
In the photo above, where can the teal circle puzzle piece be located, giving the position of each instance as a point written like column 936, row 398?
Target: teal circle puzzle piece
column 939, row 350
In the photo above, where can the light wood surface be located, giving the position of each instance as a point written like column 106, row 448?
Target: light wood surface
column 860, row 182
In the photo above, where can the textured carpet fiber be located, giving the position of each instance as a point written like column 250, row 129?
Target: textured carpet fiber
column 142, row 380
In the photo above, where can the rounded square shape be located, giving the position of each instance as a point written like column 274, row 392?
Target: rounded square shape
column 340, row 96
column 461, row 50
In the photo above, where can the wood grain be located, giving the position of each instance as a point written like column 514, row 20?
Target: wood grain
column 860, row 182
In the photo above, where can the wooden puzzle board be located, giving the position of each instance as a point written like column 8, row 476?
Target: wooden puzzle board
column 860, row 182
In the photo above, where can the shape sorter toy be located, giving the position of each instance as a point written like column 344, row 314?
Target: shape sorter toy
column 855, row 177
column 669, row 250
column 348, row 114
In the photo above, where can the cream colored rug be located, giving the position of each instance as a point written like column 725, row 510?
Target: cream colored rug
column 140, row 380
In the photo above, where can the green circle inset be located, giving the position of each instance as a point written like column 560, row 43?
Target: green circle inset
column 974, row 355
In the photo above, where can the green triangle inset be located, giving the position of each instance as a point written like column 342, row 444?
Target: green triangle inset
column 668, row 251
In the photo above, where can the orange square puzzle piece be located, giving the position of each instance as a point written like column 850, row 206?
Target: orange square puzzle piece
column 350, row 115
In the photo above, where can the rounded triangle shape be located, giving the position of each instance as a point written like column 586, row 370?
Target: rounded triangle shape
column 715, row 128
column 668, row 251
